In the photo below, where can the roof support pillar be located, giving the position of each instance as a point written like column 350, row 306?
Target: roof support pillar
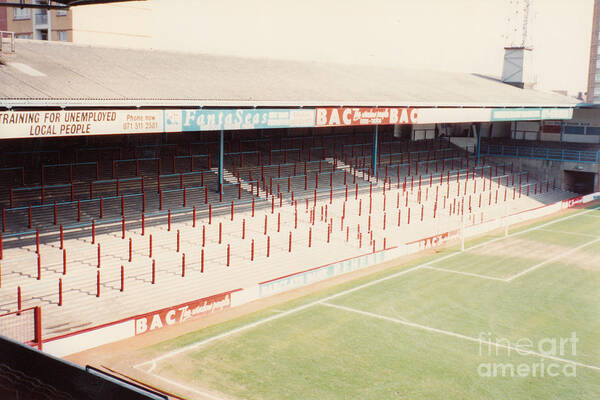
column 477, row 131
column 374, row 155
column 562, row 129
column 221, row 152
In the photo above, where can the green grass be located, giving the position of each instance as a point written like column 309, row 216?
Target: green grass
column 323, row 352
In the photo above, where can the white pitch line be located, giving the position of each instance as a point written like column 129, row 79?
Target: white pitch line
column 465, row 273
column 192, row 346
column 552, row 259
column 242, row 328
column 533, row 228
column 460, row 336
column 569, row 233
column 185, row 387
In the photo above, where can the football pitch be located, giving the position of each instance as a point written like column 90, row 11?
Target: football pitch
column 513, row 316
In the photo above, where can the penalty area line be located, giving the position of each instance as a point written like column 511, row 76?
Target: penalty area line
column 493, row 278
column 552, row 259
column 460, row 336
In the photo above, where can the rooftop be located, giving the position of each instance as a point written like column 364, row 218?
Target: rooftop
column 42, row 73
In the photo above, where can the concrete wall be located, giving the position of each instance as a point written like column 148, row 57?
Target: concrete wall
column 123, row 25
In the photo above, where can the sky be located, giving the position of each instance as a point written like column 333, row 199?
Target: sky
column 449, row 35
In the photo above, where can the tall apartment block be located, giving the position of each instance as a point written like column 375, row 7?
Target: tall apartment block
column 39, row 24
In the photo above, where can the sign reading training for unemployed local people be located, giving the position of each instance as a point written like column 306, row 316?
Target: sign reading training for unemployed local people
column 21, row 124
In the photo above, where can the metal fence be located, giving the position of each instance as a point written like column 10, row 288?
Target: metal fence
column 543, row 153
column 24, row 326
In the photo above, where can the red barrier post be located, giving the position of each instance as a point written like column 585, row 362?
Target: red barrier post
column 143, row 224
column 37, row 241
column 210, row 214
column 265, row 230
column 169, row 220
column 130, row 250
column 252, row 250
column 203, row 235
column 60, row 295
column 228, row 254
column 220, row 232
column 19, row 299
column 178, row 240
column 150, row 246
column 202, row 260
column 153, row 271
column 93, row 231
column 39, row 267
column 99, row 259
column 194, row 217
column 123, row 227
column 290, row 243
column 122, row 278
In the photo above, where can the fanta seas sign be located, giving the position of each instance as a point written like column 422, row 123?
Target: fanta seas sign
column 350, row 116
column 181, row 313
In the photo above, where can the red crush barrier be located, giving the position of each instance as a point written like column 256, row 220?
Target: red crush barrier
column 202, row 261
column 60, row 294
column 153, row 271
column 150, row 246
column 98, row 284
column 99, row 256
column 265, row 231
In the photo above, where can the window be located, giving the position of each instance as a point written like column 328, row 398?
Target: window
column 22, row 13
column 23, row 36
column 597, row 91
column 61, row 13
column 62, row 36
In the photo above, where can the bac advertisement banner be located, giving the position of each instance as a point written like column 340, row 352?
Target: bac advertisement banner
column 29, row 124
